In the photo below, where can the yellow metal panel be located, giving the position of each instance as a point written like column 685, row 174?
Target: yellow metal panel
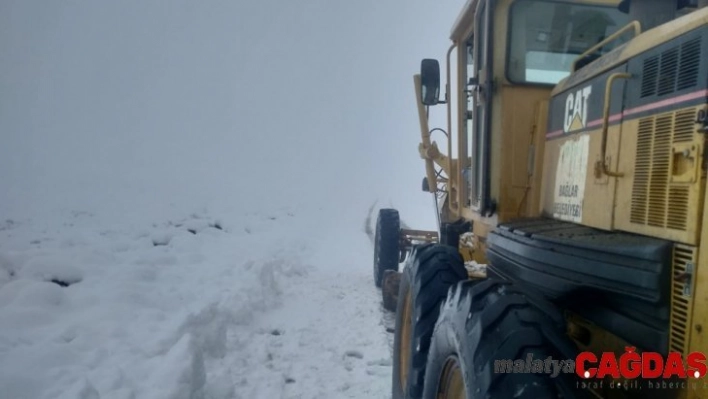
column 522, row 132
column 661, row 192
column 464, row 22
column 698, row 324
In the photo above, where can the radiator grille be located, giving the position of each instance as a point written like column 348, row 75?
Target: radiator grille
column 656, row 202
column 684, row 259
column 673, row 70
column 690, row 63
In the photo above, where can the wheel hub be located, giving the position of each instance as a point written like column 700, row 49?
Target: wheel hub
column 451, row 384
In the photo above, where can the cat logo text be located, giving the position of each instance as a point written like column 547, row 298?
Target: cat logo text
column 576, row 109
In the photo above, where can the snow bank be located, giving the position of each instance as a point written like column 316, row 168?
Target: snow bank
column 143, row 311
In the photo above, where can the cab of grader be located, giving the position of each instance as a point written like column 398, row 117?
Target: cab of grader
column 574, row 171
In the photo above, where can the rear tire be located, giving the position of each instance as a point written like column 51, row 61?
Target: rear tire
column 429, row 273
column 389, row 290
column 487, row 320
column 386, row 243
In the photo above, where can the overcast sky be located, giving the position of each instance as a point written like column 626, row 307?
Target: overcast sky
column 132, row 104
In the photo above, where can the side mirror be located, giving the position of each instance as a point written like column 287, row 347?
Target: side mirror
column 426, row 186
column 430, row 81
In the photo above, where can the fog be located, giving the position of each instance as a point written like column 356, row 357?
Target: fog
column 133, row 105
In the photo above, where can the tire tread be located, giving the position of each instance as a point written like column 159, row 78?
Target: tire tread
column 499, row 321
column 432, row 271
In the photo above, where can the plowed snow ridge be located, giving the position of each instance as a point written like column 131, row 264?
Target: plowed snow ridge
column 275, row 305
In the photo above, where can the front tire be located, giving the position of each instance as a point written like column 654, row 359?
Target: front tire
column 386, row 243
column 489, row 320
column 429, row 273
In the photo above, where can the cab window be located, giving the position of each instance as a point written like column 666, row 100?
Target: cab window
column 545, row 37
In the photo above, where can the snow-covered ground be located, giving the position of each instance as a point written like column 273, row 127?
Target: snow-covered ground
column 277, row 304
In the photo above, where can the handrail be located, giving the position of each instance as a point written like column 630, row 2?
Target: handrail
column 448, row 94
column 601, row 166
column 632, row 25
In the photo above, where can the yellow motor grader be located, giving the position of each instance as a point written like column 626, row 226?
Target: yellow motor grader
column 573, row 167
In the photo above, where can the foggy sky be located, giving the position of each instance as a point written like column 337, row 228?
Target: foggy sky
column 137, row 104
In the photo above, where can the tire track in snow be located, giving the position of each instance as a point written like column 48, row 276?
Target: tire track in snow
column 326, row 341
